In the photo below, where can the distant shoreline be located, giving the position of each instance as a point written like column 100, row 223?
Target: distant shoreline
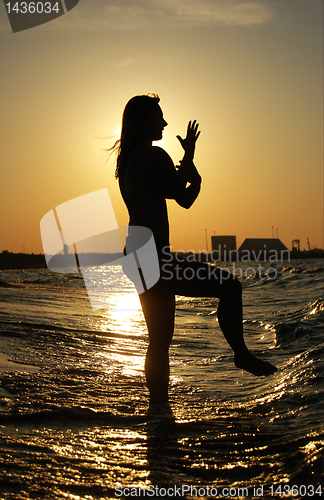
column 14, row 261
column 9, row 260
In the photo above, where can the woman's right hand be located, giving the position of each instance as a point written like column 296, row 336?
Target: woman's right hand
column 189, row 143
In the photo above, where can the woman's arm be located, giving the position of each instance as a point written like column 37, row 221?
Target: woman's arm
column 192, row 192
column 187, row 169
column 174, row 185
column 188, row 172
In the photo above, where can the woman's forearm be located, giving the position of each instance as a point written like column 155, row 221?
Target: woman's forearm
column 193, row 191
column 190, row 193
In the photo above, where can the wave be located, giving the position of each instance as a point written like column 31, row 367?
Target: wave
column 303, row 325
column 80, row 414
column 300, row 270
column 50, row 280
column 3, row 284
column 313, row 310
column 286, row 335
column 7, row 328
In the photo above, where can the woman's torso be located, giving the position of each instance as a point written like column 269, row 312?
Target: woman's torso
column 144, row 193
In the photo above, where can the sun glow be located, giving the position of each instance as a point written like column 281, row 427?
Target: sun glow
column 117, row 132
column 127, row 305
column 125, row 313
column 123, row 318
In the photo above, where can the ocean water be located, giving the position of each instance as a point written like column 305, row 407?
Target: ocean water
column 79, row 427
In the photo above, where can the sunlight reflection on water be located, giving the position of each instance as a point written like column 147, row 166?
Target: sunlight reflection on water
column 81, row 424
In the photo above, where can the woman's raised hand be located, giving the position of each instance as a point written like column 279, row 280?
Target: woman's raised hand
column 189, row 143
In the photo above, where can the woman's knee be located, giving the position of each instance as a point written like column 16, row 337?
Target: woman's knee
column 237, row 286
column 159, row 348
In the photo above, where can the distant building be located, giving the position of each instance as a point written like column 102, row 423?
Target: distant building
column 263, row 249
column 224, row 248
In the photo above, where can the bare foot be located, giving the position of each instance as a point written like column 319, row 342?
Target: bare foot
column 254, row 365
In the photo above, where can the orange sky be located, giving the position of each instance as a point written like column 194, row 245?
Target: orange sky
column 249, row 71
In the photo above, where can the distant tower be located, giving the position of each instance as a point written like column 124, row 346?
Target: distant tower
column 65, row 249
column 224, row 248
column 295, row 245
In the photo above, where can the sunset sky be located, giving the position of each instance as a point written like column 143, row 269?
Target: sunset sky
column 250, row 71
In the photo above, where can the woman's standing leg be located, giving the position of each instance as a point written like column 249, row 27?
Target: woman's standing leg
column 159, row 312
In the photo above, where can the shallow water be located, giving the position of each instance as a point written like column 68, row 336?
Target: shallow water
column 80, row 426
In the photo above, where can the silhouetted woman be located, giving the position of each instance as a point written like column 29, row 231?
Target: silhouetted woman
column 147, row 176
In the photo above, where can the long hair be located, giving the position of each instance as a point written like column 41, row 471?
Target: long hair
column 136, row 109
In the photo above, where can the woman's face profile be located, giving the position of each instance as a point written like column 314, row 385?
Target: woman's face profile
column 154, row 124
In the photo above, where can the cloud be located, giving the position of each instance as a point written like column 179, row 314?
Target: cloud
column 157, row 14
column 231, row 12
column 176, row 13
